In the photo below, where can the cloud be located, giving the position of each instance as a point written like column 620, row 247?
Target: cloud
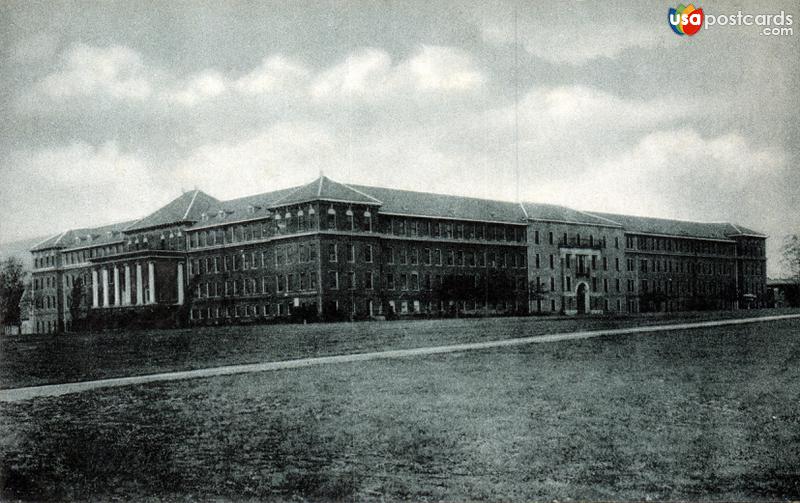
column 199, row 87
column 80, row 184
column 280, row 155
column 576, row 33
column 115, row 71
column 678, row 173
column 276, row 73
column 369, row 73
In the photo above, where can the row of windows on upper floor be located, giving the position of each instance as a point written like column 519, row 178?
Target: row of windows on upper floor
column 400, row 226
column 575, row 240
column 305, row 253
column 679, row 245
column 682, row 266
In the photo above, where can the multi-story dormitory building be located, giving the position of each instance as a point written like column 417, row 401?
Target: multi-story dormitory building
column 332, row 250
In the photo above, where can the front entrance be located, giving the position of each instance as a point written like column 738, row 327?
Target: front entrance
column 582, row 296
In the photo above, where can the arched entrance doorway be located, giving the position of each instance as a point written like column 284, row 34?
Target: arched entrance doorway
column 582, row 297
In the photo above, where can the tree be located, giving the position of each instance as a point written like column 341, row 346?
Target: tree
column 537, row 292
column 12, row 287
column 790, row 252
column 76, row 308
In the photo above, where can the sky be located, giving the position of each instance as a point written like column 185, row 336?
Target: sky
column 112, row 109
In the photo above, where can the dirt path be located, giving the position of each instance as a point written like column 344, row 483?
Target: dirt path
column 19, row 394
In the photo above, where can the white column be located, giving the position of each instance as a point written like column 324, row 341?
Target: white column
column 180, row 284
column 139, row 286
column 126, row 296
column 151, row 278
column 104, row 274
column 117, row 300
column 95, row 290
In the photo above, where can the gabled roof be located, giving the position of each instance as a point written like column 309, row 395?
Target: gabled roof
column 679, row 228
column 325, row 189
column 87, row 236
column 426, row 204
column 188, row 207
column 243, row 208
column 555, row 213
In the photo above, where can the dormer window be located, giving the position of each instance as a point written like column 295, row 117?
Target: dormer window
column 368, row 221
column 300, row 213
column 331, row 218
column 311, row 210
column 204, row 217
column 221, row 214
column 288, row 215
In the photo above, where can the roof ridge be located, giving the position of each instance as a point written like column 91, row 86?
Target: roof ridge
column 360, row 192
column 43, row 241
column 61, row 236
column 439, row 194
column 319, row 189
column 286, row 196
column 600, row 217
column 524, row 211
column 191, row 203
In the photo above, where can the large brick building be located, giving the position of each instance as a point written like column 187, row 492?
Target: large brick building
column 335, row 251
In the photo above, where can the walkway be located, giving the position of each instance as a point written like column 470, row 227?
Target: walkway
column 19, row 394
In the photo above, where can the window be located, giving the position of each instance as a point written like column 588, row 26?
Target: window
column 331, row 218
column 390, row 281
column 403, row 256
column 536, row 237
column 351, row 252
column 389, row 255
column 537, row 260
column 414, row 256
column 368, row 254
column 437, row 255
column 368, row 221
column 552, row 262
column 414, row 281
column 351, row 280
column 426, row 256
column 351, row 220
column 368, row 280
column 333, row 280
column 333, row 252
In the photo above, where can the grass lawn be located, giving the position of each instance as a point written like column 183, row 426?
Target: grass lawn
column 711, row 414
column 35, row 360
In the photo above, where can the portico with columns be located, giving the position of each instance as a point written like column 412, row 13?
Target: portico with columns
column 135, row 280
